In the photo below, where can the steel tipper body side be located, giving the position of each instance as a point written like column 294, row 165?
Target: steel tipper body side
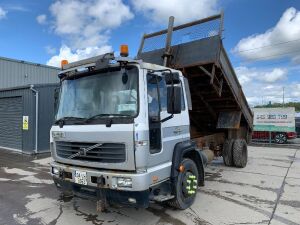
column 197, row 50
column 87, row 150
column 221, row 118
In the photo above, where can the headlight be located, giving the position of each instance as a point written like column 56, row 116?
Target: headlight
column 55, row 171
column 124, row 182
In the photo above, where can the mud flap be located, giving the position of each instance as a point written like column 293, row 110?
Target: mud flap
column 229, row 120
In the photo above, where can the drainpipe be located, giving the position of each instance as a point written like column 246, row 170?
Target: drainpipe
column 36, row 117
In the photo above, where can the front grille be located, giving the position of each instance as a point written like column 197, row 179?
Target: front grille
column 106, row 153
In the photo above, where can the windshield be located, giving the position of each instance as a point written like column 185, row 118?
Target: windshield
column 109, row 94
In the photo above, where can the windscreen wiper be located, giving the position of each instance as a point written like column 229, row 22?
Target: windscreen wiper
column 106, row 115
column 62, row 120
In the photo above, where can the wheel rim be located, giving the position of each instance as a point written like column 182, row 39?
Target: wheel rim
column 280, row 138
column 189, row 185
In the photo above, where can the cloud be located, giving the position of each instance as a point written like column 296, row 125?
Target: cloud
column 66, row 53
column 282, row 40
column 50, row 50
column 296, row 59
column 275, row 75
column 2, row 13
column 184, row 11
column 263, row 85
column 41, row 19
column 295, row 92
column 19, row 8
column 246, row 75
column 88, row 23
column 259, row 93
column 85, row 26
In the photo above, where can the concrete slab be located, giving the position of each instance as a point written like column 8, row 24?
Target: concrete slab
column 267, row 161
column 288, row 208
column 265, row 192
column 294, row 171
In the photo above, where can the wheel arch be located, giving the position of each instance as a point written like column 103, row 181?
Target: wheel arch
column 188, row 149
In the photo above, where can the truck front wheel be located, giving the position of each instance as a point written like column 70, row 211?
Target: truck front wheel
column 240, row 153
column 186, row 185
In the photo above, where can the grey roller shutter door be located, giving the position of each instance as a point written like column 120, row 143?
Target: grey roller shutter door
column 11, row 122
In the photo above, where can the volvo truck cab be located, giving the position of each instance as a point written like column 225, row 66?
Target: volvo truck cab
column 118, row 122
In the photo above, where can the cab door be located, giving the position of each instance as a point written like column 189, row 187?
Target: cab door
column 165, row 134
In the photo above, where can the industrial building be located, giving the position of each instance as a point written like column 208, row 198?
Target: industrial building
column 26, row 105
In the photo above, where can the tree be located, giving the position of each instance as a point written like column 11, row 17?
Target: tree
column 279, row 105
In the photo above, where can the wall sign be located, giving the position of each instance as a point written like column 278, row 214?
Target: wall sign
column 25, row 122
column 274, row 119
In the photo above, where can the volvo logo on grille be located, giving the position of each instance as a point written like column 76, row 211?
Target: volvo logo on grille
column 83, row 151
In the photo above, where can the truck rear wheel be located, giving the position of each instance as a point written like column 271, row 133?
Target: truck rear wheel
column 227, row 152
column 240, row 153
column 186, row 185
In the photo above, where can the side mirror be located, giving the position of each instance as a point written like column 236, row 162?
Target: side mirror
column 174, row 99
column 56, row 98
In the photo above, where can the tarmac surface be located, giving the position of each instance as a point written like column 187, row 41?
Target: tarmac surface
column 295, row 141
column 267, row 191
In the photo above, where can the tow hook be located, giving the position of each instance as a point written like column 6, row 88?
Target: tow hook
column 101, row 195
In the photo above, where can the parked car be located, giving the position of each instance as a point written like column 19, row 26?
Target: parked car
column 278, row 137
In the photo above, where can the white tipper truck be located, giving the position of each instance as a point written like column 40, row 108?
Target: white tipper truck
column 130, row 131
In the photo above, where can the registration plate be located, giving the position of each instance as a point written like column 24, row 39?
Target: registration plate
column 80, row 177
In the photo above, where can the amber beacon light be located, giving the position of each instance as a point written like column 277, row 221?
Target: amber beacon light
column 64, row 62
column 124, row 50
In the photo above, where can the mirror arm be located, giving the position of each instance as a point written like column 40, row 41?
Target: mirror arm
column 167, row 118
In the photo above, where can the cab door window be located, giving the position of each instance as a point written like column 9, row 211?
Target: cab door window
column 163, row 95
column 154, row 114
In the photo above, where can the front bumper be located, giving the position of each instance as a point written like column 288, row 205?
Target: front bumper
column 140, row 181
column 129, row 198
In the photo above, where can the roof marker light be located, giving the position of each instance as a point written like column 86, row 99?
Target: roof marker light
column 64, row 62
column 124, row 52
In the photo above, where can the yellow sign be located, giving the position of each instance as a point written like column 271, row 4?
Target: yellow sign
column 25, row 122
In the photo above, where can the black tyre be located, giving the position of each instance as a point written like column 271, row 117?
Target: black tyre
column 186, row 186
column 280, row 138
column 227, row 152
column 240, row 153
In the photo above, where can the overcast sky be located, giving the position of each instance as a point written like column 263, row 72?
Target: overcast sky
column 262, row 37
